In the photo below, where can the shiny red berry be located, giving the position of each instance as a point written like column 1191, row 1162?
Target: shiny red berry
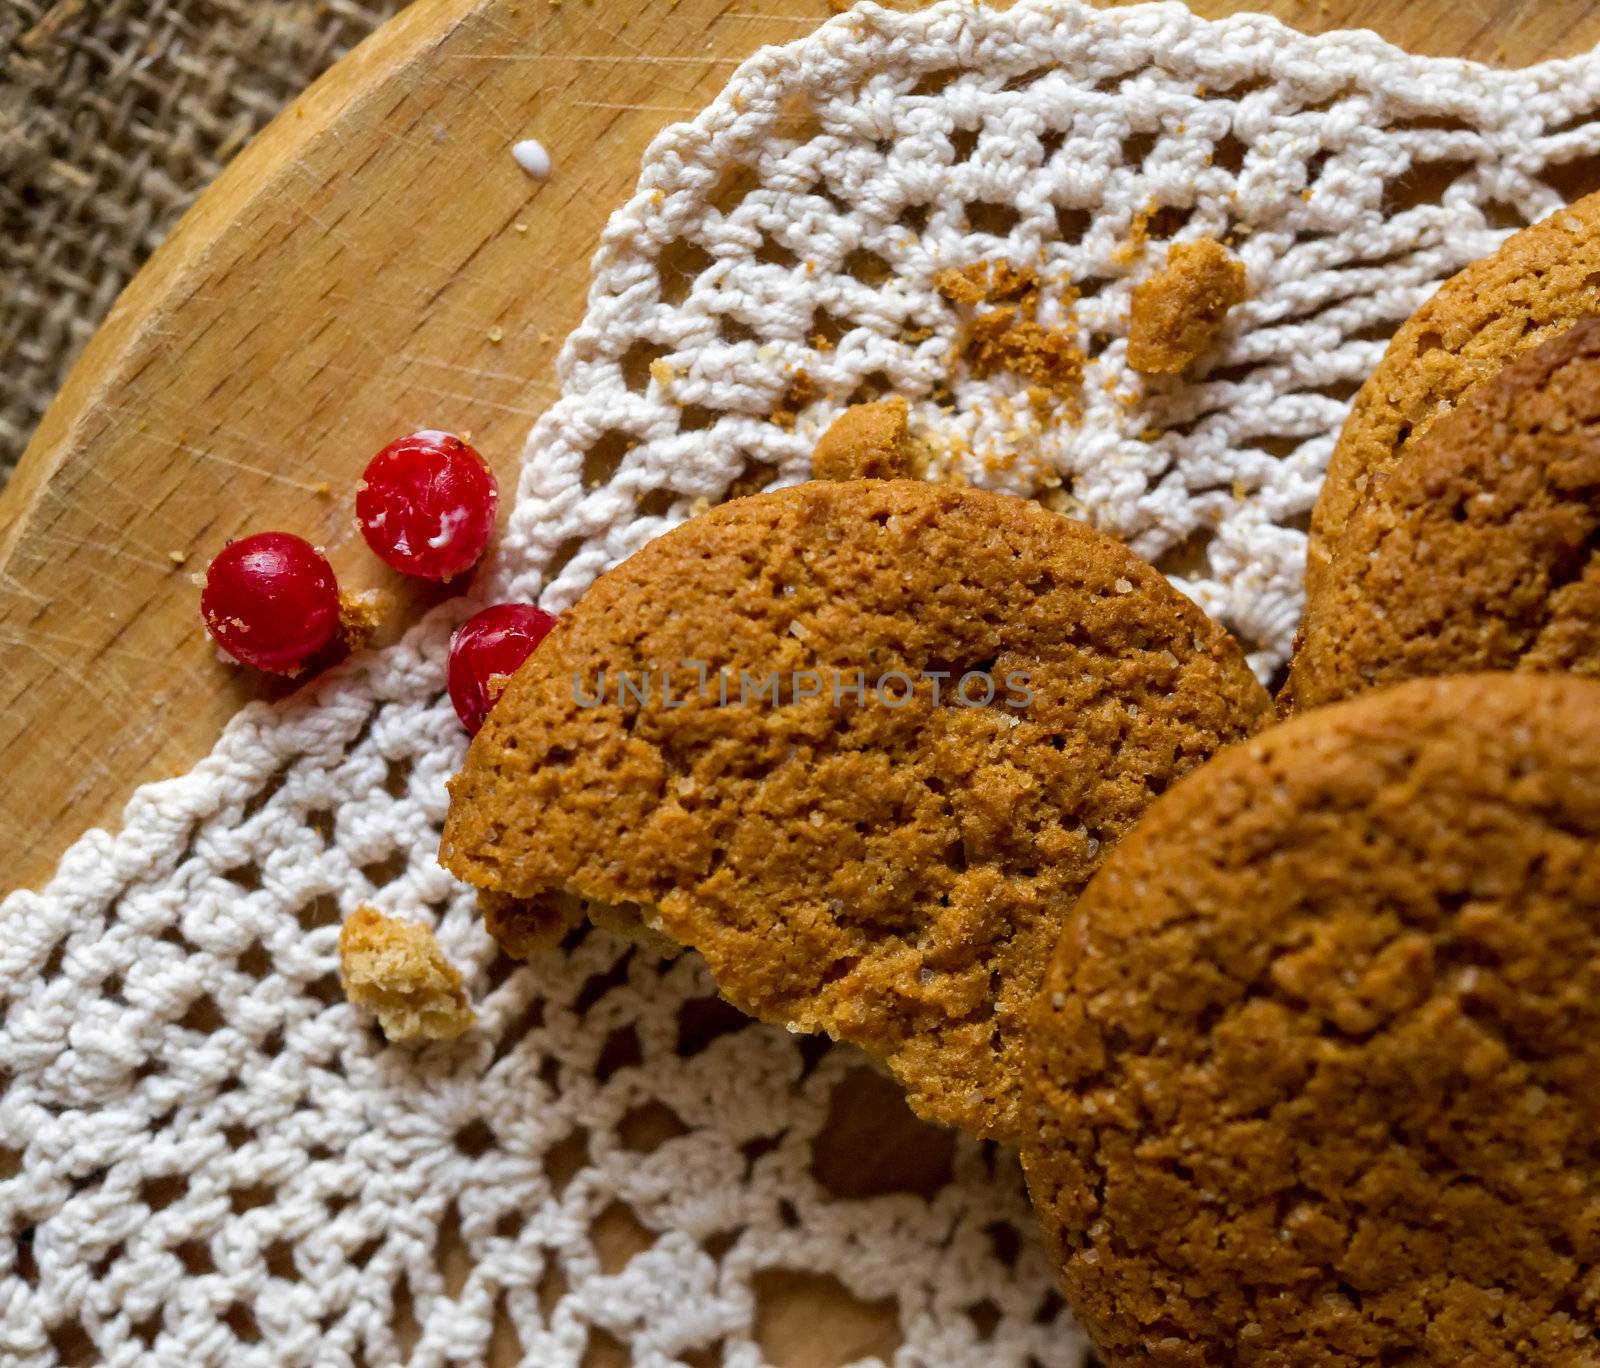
column 426, row 505
column 270, row 600
column 486, row 651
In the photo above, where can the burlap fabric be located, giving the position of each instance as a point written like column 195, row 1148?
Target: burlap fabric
column 114, row 114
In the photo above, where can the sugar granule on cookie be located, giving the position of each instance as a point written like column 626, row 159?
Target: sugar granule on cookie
column 865, row 442
column 1178, row 313
column 395, row 970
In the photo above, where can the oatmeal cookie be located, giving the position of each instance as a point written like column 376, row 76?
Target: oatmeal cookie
column 1478, row 547
column 850, row 851
column 1540, row 282
column 1312, row 1072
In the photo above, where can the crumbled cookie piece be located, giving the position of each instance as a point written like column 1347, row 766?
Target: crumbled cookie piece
column 360, row 615
column 396, row 971
column 865, row 442
column 964, row 284
column 1008, row 339
column 1009, row 336
column 1178, row 313
column 987, row 282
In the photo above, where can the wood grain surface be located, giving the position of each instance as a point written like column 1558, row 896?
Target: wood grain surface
column 345, row 281
column 375, row 262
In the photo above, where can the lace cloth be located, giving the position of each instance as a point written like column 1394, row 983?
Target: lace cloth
column 208, row 1157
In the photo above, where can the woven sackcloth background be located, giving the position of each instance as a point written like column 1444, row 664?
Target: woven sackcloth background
column 114, row 115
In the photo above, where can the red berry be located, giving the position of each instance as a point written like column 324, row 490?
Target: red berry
column 486, row 651
column 270, row 600
column 426, row 505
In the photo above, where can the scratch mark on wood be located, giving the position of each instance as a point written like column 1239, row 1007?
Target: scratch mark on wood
column 519, row 378
column 14, row 586
column 35, row 635
column 686, row 110
column 73, row 542
column 473, row 91
column 219, row 459
column 461, row 396
column 167, row 441
column 606, row 59
column 809, row 20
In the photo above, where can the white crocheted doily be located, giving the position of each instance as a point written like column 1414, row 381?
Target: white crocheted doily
column 210, row 1158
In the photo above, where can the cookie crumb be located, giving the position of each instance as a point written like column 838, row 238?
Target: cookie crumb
column 1009, row 337
column 796, row 397
column 177, row 557
column 1178, row 313
column 865, row 442
column 1051, row 359
column 360, row 615
column 987, row 282
column 396, row 971
column 1138, row 236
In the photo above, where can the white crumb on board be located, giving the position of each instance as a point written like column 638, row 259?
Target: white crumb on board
column 532, row 158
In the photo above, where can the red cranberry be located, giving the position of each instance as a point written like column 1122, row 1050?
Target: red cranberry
column 426, row 505
column 270, row 600
column 486, row 651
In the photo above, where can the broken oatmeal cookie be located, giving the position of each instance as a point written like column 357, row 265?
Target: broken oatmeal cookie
column 845, row 805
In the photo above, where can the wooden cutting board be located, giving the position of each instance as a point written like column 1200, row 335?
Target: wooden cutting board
column 373, row 263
